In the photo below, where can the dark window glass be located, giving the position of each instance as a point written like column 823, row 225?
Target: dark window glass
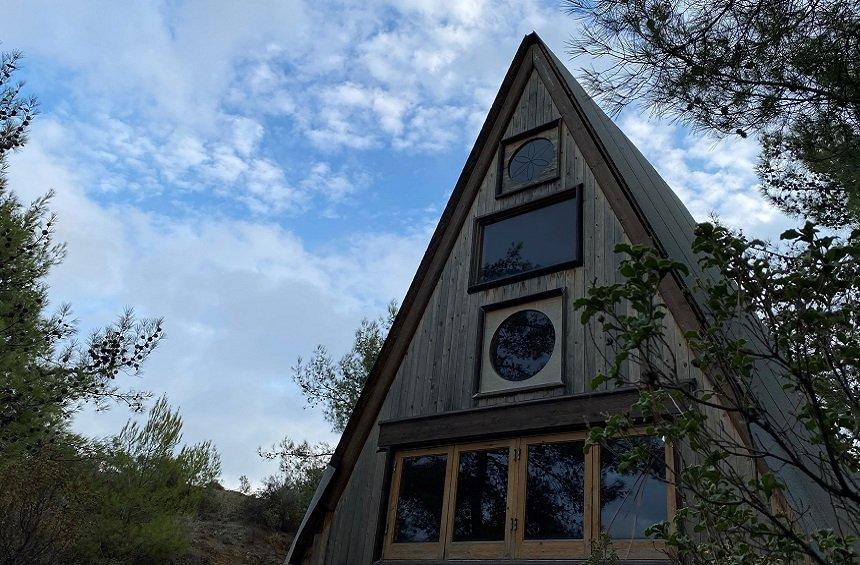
column 532, row 240
column 531, row 160
column 555, row 491
column 419, row 502
column 522, row 345
column 482, row 492
column 633, row 499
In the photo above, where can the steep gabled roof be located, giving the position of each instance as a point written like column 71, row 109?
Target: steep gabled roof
column 670, row 221
column 649, row 211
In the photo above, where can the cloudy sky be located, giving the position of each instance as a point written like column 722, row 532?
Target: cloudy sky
column 263, row 175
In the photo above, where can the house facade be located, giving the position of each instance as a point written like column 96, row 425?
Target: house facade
column 467, row 442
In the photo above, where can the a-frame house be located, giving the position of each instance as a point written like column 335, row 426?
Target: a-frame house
column 466, row 442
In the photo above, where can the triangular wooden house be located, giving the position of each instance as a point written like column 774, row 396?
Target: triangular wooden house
column 466, row 442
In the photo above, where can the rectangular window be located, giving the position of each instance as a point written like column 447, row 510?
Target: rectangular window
column 419, row 502
column 557, row 481
column 555, row 491
column 636, row 497
column 417, row 512
column 530, row 498
column 482, row 494
column 531, row 240
column 480, row 511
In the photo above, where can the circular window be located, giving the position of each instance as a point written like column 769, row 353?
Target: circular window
column 522, row 345
column 531, row 160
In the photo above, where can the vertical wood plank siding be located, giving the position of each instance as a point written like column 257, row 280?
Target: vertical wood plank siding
column 437, row 373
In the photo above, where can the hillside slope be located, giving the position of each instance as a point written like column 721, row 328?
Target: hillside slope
column 226, row 533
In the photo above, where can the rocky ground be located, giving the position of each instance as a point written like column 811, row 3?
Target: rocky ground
column 223, row 535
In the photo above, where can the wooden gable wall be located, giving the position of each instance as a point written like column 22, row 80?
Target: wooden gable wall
column 438, row 370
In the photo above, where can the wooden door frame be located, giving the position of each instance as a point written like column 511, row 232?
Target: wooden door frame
column 480, row 549
column 515, row 546
column 416, row 550
column 551, row 548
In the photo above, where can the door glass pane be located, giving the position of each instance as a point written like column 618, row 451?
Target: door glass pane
column 555, row 491
column 419, row 502
column 482, row 491
column 633, row 499
column 529, row 241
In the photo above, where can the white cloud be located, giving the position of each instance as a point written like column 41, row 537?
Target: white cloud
column 335, row 186
column 396, row 67
column 177, row 63
column 242, row 299
column 711, row 177
column 247, row 134
column 181, row 94
column 231, row 166
column 171, row 61
column 435, row 128
column 169, row 117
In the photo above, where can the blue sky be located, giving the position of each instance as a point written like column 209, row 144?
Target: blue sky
column 263, row 175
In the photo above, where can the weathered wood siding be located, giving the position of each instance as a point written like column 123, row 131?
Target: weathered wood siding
column 438, row 371
column 437, row 374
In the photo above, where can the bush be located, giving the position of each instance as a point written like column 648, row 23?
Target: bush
column 125, row 500
column 285, row 500
column 41, row 504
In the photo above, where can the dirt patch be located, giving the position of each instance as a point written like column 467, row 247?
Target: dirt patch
column 223, row 534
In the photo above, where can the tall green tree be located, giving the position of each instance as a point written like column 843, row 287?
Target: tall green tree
column 65, row 498
column 786, row 69
column 779, row 315
column 783, row 321
column 336, row 386
column 46, row 374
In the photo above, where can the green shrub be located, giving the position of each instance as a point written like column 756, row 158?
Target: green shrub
column 125, row 500
column 285, row 499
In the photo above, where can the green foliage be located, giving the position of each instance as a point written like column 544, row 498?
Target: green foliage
column 286, row 496
column 785, row 69
column 337, row 386
column 146, row 487
column 127, row 500
column 787, row 313
column 64, row 498
column 45, row 374
column 602, row 551
column 16, row 111
column 43, row 502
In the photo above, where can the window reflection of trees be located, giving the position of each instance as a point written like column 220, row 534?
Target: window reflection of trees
column 555, row 491
column 482, row 485
column 511, row 263
column 419, row 502
column 529, row 241
column 635, row 498
column 522, row 345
